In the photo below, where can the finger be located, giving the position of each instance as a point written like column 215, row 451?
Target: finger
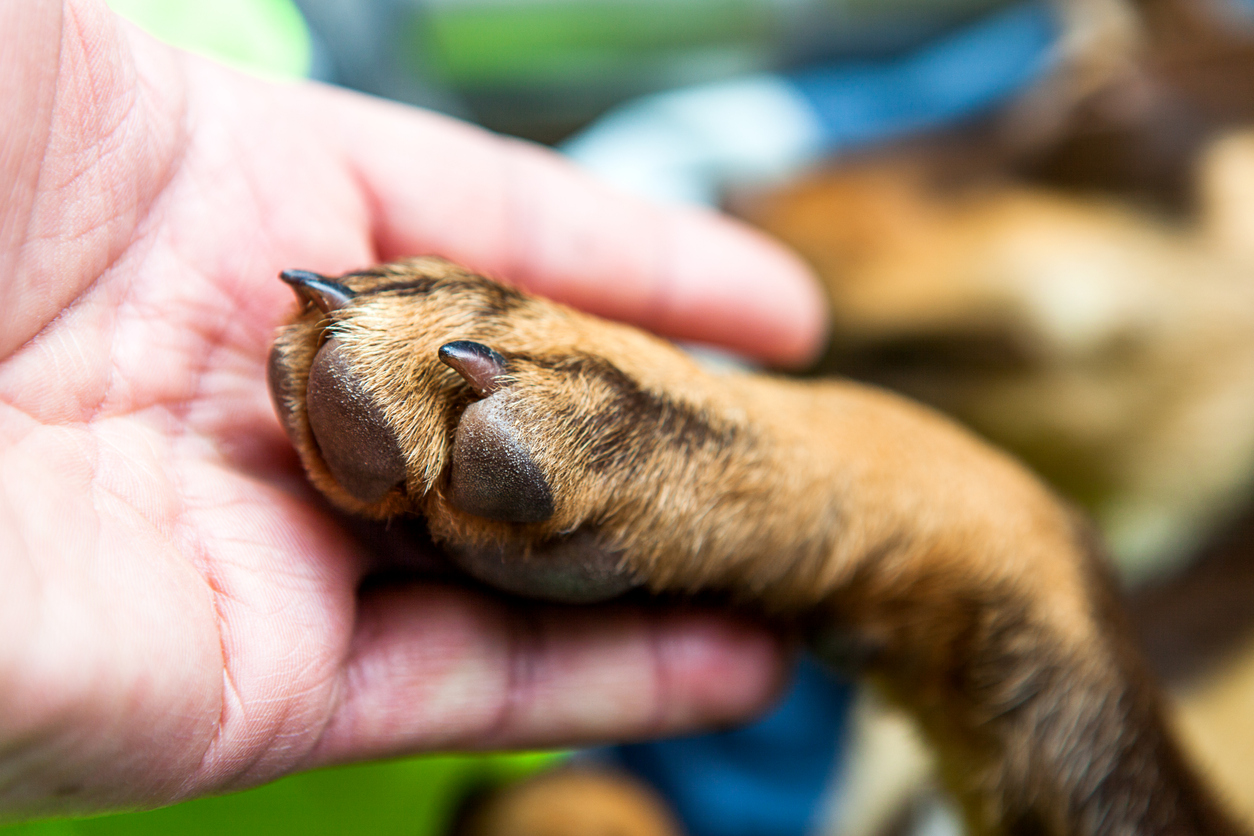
column 523, row 213
column 442, row 668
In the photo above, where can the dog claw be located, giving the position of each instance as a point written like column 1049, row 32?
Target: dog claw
column 324, row 293
column 479, row 365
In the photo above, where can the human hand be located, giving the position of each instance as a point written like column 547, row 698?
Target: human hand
column 181, row 614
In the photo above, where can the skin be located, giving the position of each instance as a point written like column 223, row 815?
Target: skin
column 181, row 613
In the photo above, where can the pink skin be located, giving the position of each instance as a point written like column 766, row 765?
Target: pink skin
column 179, row 612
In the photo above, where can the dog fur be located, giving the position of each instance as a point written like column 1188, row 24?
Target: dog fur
column 898, row 543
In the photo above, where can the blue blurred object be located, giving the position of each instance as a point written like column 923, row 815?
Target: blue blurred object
column 771, row 777
column 960, row 75
column 688, row 145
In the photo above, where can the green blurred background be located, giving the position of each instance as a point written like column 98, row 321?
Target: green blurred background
column 408, row 798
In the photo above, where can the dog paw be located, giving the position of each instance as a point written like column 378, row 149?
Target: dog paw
column 534, row 439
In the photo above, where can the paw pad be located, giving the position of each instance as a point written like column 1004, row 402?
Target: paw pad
column 493, row 475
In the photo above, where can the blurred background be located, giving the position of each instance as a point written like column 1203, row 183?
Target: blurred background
column 1037, row 216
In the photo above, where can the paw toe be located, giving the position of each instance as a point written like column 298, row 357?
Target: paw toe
column 357, row 444
column 493, row 475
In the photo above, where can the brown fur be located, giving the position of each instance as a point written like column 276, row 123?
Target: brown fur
column 967, row 590
column 1105, row 344
column 570, row 802
column 1081, row 294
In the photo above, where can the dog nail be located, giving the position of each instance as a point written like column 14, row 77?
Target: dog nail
column 479, row 365
column 326, row 294
column 358, row 446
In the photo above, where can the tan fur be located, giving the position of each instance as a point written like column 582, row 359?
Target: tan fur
column 893, row 537
column 1118, row 344
column 580, row 801
column 1086, row 303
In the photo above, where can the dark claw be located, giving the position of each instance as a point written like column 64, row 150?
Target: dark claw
column 328, row 295
column 479, row 365
column 359, row 447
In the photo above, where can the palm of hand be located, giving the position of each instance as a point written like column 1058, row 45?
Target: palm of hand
column 190, row 612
